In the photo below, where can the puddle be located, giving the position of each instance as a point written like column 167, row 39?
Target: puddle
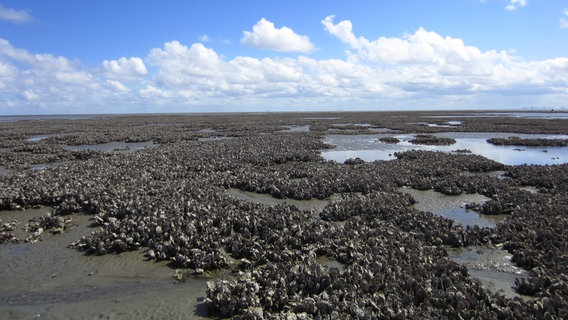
column 381, row 130
column 321, row 118
column 117, row 146
column 39, row 138
column 207, row 130
column 491, row 266
column 453, row 207
column 330, row 263
column 47, row 280
column 531, row 189
column 22, row 217
column 447, row 124
column 296, row 128
column 49, row 165
column 315, row 205
column 368, row 148
column 362, row 125
column 213, row 138
column 498, row 174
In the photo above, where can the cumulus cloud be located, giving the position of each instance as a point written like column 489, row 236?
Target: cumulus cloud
column 179, row 64
column 417, row 69
column 8, row 14
column 117, row 86
column 564, row 20
column 41, row 79
column 30, row 95
column 516, row 4
column 428, row 62
column 265, row 36
column 125, row 67
column 421, row 47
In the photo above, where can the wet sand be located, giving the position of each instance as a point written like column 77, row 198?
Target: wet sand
column 48, row 280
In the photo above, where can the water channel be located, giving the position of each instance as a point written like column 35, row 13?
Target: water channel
column 368, row 148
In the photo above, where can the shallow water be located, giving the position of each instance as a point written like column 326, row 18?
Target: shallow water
column 331, row 263
column 49, row 281
column 453, row 207
column 368, row 148
column 117, row 146
column 49, row 165
column 447, row 124
column 491, row 266
column 296, row 128
column 315, row 205
column 39, row 138
column 214, row 138
column 45, row 117
column 381, row 130
column 531, row 189
column 524, row 115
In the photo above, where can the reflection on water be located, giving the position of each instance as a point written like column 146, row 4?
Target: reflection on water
column 453, row 207
column 525, row 115
column 296, row 128
column 381, row 130
column 214, row 138
column 331, row 263
column 368, row 148
column 117, row 146
column 47, row 280
column 447, row 124
column 491, row 266
column 531, row 189
column 265, row 199
column 39, row 138
column 49, row 165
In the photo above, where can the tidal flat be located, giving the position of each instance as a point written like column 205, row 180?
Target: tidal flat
column 253, row 216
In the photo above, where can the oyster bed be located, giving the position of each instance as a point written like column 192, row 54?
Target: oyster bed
column 367, row 253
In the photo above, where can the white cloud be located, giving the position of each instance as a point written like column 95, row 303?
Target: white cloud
column 8, row 14
column 515, row 4
column 117, row 86
column 42, row 80
column 30, row 95
column 265, row 36
column 426, row 62
column 564, row 20
column 125, row 67
column 204, row 38
column 417, row 69
column 179, row 65
column 422, row 47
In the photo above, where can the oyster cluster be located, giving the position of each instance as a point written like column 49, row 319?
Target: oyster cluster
column 389, row 259
column 527, row 142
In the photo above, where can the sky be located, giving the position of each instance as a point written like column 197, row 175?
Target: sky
column 145, row 56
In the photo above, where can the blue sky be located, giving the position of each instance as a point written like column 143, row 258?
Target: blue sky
column 199, row 56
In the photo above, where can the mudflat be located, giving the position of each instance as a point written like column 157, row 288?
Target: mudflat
column 220, row 215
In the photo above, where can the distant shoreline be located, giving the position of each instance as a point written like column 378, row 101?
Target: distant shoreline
column 87, row 116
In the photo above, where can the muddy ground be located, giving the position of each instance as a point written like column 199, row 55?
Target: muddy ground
column 166, row 216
